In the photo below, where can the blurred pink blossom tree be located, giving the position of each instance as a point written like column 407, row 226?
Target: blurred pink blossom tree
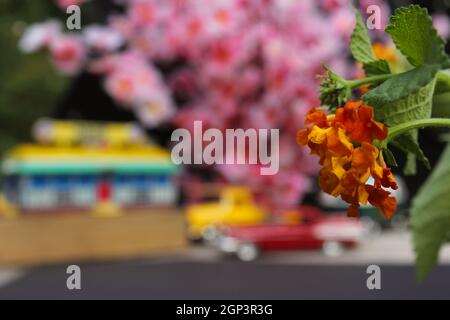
column 236, row 64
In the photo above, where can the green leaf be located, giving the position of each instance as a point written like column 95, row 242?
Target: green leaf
column 393, row 107
column 362, row 50
column 376, row 68
column 410, row 168
column 430, row 216
column 409, row 144
column 390, row 159
column 402, row 86
column 412, row 31
column 360, row 45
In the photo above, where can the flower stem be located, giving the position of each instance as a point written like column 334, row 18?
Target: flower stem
column 361, row 82
column 416, row 124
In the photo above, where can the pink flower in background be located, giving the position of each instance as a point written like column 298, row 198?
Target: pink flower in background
column 155, row 109
column 102, row 66
column 148, row 13
column 267, row 115
column 222, row 16
column 136, row 84
column 251, row 81
column 185, row 118
column 189, row 32
column 227, row 63
column 285, row 191
column 343, row 21
column 39, row 36
column 332, row 5
column 222, row 56
column 442, row 24
column 130, row 79
column 121, row 86
column 102, row 38
column 143, row 13
column 64, row 4
column 68, row 53
column 122, row 25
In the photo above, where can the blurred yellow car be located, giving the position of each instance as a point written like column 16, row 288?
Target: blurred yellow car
column 235, row 207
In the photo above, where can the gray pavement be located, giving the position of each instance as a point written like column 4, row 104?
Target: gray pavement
column 202, row 273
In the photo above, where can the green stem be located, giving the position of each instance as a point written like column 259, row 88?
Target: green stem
column 416, row 124
column 360, row 82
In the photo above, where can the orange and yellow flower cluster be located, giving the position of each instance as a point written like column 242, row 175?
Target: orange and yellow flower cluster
column 344, row 143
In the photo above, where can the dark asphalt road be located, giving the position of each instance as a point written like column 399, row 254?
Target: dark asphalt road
column 226, row 280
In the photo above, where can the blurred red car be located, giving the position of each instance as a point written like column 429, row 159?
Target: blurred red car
column 331, row 232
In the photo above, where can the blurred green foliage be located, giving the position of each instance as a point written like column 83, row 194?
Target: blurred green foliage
column 29, row 86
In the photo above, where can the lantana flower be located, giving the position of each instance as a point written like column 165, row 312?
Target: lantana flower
column 349, row 156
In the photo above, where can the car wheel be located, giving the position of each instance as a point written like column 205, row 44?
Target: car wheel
column 247, row 252
column 193, row 239
column 210, row 234
column 333, row 248
column 190, row 236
